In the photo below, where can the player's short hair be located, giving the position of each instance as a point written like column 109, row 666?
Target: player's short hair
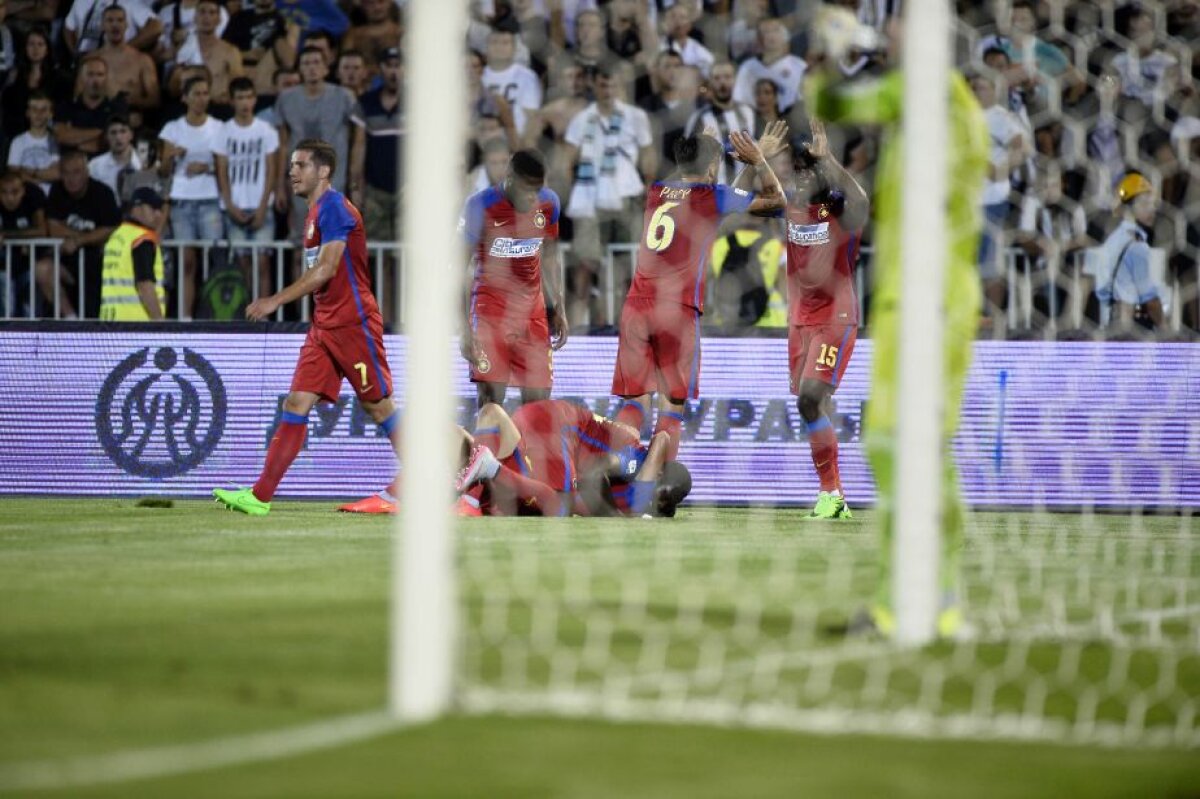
column 322, row 153
column 241, row 84
column 117, row 119
column 694, row 153
column 672, row 487
column 351, row 53
column 9, row 176
column 208, row 2
column 36, row 94
column 529, row 164
column 113, row 7
column 1025, row 4
column 995, row 50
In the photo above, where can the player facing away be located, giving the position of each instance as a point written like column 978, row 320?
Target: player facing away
column 555, row 458
column 880, row 100
column 658, row 347
column 345, row 340
column 515, row 316
column 826, row 212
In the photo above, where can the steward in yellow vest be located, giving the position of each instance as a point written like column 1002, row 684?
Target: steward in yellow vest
column 131, row 284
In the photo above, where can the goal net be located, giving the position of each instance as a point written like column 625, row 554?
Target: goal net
column 1077, row 447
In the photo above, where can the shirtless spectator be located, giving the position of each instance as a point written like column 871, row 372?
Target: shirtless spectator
column 204, row 47
column 81, row 122
column 267, row 39
column 130, row 71
column 380, row 31
column 83, row 29
column 114, row 167
column 352, row 72
column 178, row 20
column 566, row 98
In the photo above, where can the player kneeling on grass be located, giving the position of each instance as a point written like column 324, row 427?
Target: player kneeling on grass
column 556, row 458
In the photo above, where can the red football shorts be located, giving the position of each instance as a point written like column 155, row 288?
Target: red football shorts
column 354, row 352
column 658, row 350
column 819, row 352
column 514, row 353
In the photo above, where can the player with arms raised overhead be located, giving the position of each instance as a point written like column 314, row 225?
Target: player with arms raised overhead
column 826, row 212
column 659, row 335
column 346, row 337
column 514, row 304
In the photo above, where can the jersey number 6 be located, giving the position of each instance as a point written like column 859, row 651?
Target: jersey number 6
column 661, row 230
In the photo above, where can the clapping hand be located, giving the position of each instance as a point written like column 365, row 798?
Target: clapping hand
column 745, row 148
column 774, row 139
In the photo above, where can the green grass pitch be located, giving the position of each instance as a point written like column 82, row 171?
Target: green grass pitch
column 127, row 628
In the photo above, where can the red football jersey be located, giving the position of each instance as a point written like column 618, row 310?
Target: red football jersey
column 507, row 253
column 820, row 267
column 346, row 299
column 560, row 440
column 681, row 222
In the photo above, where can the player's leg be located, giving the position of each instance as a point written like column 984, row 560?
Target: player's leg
column 677, row 363
column 633, row 372
column 532, row 362
column 819, row 356
column 491, row 369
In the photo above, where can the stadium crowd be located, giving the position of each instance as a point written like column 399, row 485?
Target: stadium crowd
column 199, row 99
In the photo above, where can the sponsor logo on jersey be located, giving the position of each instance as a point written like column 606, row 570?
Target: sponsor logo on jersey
column 808, row 235
column 310, row 256
column 515, row 248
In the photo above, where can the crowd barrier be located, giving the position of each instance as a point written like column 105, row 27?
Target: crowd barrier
column 121, row 411
column 389, row 260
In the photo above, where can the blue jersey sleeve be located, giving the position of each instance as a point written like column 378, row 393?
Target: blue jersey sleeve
column 335, row 221
column 470, row 224
column 733, row 201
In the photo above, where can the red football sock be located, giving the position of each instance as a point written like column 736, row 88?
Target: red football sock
column 632, row 413
column 488, row 437
column 530, row 493
column 823, row 440
column 670, row 422
column 285, row 446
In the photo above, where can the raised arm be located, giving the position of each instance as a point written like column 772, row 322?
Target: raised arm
column 773, row 142
column 771, row 198
column 858, row 205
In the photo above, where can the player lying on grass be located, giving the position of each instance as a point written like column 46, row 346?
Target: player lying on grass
column 555, row 458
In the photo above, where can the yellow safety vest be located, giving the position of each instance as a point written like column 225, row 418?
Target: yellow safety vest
column 119, row 301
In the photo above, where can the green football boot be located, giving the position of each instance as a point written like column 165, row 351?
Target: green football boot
column 242, row 500
column 830, row 506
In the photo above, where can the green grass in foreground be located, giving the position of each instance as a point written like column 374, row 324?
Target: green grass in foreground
column 124, row 627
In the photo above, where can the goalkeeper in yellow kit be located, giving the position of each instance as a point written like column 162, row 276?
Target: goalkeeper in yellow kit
column 880, row 100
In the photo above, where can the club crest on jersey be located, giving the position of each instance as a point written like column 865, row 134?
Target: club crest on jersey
column 823, row 213
column 539, row 220
column 482, row 364
column 515, row 248
column 808, row 235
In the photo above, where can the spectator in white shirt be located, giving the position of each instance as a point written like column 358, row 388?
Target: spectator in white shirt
column 1144, row 67
column 677, row 24
column 517, row 84
column 83, row 27
column 609, row 148
column 248, row 163
column 115, row 166
column 1010, row 148
column 189, row 145
column 776, row 62
column 34, row 154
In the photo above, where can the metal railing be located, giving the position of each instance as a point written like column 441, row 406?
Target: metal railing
column 20, row 297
